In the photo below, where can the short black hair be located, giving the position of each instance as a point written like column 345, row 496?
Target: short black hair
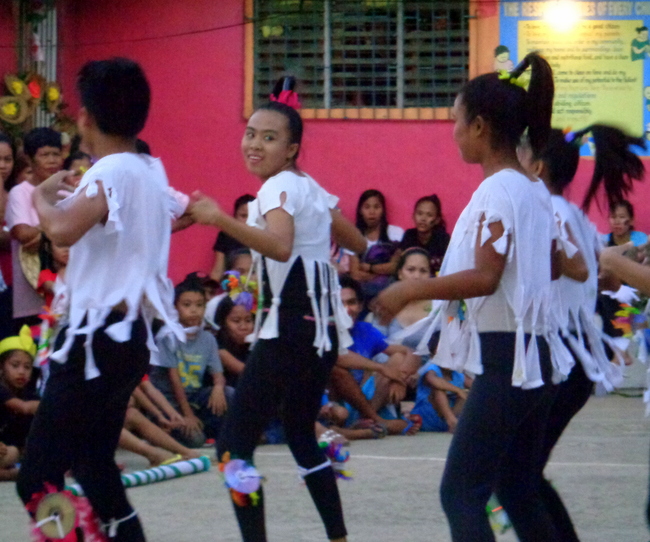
column 117, row 95
column 245, row 199
column 41, row 137
column 191, row 283
column 78, row 155
column 501, row 49
column 346, row 281
column 142, row 147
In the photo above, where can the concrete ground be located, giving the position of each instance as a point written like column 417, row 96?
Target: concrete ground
column 600, row 467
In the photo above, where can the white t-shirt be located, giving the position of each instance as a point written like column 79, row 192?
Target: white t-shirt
column 309, row 205
column 21, row 210
column 521, row 302
column 124, row 260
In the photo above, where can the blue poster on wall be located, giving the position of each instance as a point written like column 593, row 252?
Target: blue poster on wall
column 600, row 54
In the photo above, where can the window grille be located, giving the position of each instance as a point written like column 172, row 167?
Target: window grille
column 363, row 53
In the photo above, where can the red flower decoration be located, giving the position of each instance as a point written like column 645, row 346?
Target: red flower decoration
column 34, row 89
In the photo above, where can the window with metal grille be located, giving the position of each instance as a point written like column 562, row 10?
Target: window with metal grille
column 362, row 53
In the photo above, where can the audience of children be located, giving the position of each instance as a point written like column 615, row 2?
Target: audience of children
column 18, row 399
column 183, row 366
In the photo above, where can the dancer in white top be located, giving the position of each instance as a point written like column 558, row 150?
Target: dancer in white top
column 117, row 225
column 574, row 303
column 301, row 321
column 500, row 261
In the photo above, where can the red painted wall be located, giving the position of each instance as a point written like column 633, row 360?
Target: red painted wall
column 196, row 118
column 8, row 58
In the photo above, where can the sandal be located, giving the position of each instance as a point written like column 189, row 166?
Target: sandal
column 173, row 459
column 413, row 420
column 379, row 430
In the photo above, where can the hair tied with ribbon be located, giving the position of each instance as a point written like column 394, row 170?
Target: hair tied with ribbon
column 505, row 75
column 284, row 93
column 241, row 290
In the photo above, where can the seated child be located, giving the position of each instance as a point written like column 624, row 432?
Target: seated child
column 18, row 402
column 388, row 387
column 239, row 263
column 183, row 366
column 441, row 395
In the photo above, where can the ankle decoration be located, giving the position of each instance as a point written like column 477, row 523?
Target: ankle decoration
column 60, row 515
column 111, row 527
column 242, row 479
column 338, row 458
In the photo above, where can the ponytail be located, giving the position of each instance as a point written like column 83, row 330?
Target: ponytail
column 509, row 109
column 539, row 98
column 616, row 167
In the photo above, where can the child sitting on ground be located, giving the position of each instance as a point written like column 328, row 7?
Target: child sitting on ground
column 186, row 364
column 18, row 401
column 440, row 398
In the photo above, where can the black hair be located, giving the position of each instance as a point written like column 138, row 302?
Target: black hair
column 78, row 155
column 116, row 94
column 622, row 203
column 501, row 49
column 41, row 137
column 346, row 281
column 224, row 308
column 435, row 200
column 142, row 147
column 509, row 109
column 6, row 355
column 11, row 180
column 242, row 200
column 616, row 167
column 641, row 28
column 383, row 224
column 410, row 252
column 294, row 120
column 191, row 283
column 234, row 254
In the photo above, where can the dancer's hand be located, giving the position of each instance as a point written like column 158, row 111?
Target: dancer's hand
column 217, row 402
column 59, row 182
column 203, row 209
column 391, row 300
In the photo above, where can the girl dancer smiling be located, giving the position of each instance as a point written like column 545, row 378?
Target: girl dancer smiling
column 289, row 226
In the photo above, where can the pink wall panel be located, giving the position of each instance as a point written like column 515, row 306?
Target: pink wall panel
column 196, row 118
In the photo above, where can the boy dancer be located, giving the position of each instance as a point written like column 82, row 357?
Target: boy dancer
column 117, row 225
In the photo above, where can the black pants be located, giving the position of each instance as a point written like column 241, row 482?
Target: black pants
column 496, row 447
column 285, row 377
column 571, row 396
column 78, row 424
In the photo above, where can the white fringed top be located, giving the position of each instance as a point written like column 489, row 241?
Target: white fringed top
column 524, row 209
column 574, row 304
column 309, row 205
column 124, row 260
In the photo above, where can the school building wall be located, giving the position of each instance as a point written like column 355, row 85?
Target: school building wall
column 196, row 120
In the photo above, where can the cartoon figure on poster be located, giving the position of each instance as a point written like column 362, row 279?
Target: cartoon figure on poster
column 640, row 44
column 502, row 59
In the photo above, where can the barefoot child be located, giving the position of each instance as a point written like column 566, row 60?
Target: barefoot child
column 117, row 225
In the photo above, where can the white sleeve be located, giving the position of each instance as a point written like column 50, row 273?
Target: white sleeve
column 270, row 195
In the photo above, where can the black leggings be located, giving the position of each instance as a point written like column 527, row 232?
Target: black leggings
column 572, row 395
column 284, row 377
column 78, row 424
column 496, row 447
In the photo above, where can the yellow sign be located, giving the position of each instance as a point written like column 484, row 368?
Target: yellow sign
column 598, row 78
